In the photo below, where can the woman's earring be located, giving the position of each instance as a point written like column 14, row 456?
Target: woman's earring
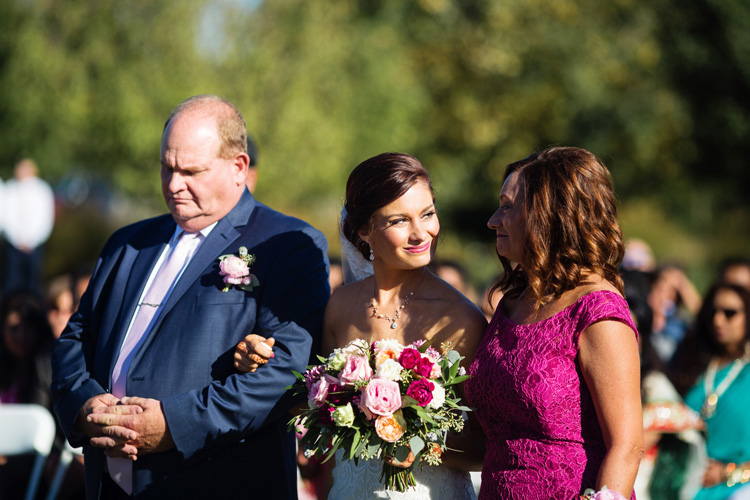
column 372, row 255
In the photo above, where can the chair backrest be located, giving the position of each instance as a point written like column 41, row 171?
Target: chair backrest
column 26, row 429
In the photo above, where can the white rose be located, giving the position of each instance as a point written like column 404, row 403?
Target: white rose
column 357, row 347
column 390, row 369
column 388, row 345
column 438, row 397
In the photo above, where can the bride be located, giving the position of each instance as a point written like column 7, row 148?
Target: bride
column 390, row 228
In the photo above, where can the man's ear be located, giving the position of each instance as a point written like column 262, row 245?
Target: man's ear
column 240, row 165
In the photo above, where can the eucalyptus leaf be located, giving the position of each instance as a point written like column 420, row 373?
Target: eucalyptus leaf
column 402, row 453
column 416, row 444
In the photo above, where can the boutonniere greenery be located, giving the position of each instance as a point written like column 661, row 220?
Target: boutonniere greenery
column 236, row 271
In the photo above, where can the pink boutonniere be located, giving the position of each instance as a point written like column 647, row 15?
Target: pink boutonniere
column 236, row 271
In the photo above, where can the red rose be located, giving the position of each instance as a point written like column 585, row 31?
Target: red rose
column 424, row 367
column 421, row 391
column 409, row 358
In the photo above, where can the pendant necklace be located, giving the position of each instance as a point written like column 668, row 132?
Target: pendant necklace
column 396, row 316
column 713, row 394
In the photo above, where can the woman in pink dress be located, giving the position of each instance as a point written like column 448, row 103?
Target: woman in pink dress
column 555, row 380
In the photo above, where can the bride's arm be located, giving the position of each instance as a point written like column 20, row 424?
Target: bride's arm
column 252, row 352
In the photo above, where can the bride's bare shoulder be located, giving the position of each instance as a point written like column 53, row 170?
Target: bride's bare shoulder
column 459, row 309
column 346, row 297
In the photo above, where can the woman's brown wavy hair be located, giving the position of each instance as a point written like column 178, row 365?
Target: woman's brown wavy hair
column 571, row 225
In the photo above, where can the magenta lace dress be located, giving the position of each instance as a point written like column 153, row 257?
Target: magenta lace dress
column 543, row 437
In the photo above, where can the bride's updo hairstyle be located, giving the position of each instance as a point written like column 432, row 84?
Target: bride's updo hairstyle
column 571, row 224
column 375, row 183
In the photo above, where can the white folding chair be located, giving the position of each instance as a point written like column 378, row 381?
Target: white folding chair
column 66, row 457
column 27, row 429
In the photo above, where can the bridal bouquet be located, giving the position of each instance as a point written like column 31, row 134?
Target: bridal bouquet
column 382, row 399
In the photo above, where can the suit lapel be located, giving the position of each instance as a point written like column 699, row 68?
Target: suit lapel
column 137, row 266
column 221, row 237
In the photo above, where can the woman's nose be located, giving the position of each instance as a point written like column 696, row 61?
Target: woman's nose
column 494, row 221
column 418, row 231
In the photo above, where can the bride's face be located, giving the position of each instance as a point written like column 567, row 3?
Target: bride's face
column 404, row 233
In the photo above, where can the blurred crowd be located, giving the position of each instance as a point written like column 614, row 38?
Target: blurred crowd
column 695, row 349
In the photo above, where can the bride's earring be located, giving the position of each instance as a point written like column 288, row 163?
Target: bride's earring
column 372, row 255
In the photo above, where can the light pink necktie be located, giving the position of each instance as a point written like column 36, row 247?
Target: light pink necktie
column 121, row 469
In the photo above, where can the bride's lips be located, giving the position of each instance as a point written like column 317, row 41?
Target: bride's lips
column 420, row 248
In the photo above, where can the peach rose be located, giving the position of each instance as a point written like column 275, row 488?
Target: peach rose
column 390, row 428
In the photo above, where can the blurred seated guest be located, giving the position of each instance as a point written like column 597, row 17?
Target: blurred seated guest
column 81, row 278
column 675, row 451
column 25, row 373
column 30, row 214
column 60, row 301
column 24, row 350
column 490, row 298
column 735, row 271
column 453, row 273
column 674, row 301
column 336, row 275
column 638, row 256
column 719, row 349
column 252, row 167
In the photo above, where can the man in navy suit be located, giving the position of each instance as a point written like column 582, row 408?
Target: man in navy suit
column 159, row 409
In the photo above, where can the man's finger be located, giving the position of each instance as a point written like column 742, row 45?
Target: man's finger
column 136, row 401
column 122, row 434
column 122, row 451
column 119, row 409
column 110, row 419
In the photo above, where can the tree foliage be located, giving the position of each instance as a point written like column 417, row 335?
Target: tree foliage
column 658, row 90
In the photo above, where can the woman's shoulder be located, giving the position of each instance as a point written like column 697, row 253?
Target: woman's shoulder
column 350, row 292
column 457, row 319
column 601, row 302
column 597, row 291
column 456, row 305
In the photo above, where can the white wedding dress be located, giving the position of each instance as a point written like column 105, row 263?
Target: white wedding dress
column 362, row 482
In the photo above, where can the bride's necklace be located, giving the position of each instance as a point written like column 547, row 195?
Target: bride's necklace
column 713, row 394
column 396, row 316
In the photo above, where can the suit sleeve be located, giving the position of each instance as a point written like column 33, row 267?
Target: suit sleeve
column 291, row 310
column 73, row 356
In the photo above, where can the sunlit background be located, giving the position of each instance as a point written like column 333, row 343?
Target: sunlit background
column 659, row 90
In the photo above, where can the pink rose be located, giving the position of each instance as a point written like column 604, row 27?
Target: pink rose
column 319, row 390
column 233, row 269
column 356, row 368
column 381, row 397
column 424, row 367
column 436, row 372
column 409, row 358
column 421, row 391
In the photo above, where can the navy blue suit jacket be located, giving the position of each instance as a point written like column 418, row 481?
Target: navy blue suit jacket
column 229, row 428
